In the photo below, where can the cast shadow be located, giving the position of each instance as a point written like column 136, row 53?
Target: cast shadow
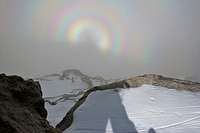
column 104, row 107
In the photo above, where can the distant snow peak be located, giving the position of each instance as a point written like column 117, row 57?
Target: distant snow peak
column 75, row 75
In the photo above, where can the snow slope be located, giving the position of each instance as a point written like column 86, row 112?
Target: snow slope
column 165, row 110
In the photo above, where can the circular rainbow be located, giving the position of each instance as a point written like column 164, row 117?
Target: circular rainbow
column 102, row 22
column 100, row 32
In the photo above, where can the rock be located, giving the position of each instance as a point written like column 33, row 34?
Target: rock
column 22, row 107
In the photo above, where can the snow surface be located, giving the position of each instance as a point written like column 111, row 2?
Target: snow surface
column 125, row 111
column 62, row 92
column 58, row 111
column 165, row 110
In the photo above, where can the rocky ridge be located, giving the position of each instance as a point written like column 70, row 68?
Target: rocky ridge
column 22, row 107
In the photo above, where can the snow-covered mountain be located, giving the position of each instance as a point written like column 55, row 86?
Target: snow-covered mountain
column 68, row 84
column 62, row 90
column 78, row 103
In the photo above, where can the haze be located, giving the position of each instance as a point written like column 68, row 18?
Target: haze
column 110, row 38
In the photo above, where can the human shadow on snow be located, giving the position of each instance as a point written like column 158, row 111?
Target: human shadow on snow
column 102, row 108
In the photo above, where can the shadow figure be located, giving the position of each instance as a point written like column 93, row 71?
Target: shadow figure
column 103, row 112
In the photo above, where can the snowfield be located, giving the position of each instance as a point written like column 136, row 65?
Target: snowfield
column 165, row 110
column 131, row 110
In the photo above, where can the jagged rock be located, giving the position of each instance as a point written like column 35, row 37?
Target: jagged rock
column 22, row 107
column 150, row 79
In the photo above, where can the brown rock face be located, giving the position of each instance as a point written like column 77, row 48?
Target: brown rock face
column 22, row 107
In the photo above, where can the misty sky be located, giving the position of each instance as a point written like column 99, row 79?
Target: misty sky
column 111, row 38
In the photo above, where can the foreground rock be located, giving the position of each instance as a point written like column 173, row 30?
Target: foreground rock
column 22, row 107
column 155, row 80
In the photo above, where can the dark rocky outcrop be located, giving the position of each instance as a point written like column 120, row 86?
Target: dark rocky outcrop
column 22, row 107
column 150, row 79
